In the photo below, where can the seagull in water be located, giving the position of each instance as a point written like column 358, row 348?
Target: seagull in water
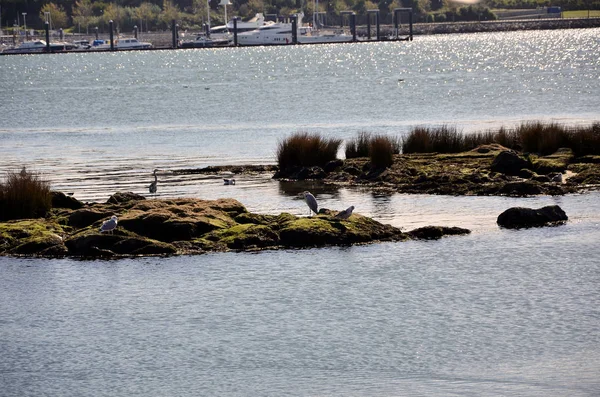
column 345, row 214
column 109, row 225
column 153, row 186
column 311, row 201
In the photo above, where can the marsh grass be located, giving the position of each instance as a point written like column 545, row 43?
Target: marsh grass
column 359, row 146
column 24, row 195
column 534, row 137
column 381, row 151
column 302, row 149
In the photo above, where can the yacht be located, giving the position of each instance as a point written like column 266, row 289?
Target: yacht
column 279, row 33
column 123, row 43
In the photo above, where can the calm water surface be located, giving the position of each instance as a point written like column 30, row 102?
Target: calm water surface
column 494, row 313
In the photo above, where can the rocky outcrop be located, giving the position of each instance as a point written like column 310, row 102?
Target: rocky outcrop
column 519, row 217
column 190, row 226
column 510, row 163
column 437, row 232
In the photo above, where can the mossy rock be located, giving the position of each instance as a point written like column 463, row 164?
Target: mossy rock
column 246, row 236
column 183, row 219
column 88, row 242
column 30, row 236
column 436, row 232
column 556, row 162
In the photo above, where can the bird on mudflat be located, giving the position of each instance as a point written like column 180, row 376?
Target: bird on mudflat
column 311, row 201
column 228, row 181
column 109, row 225
column 345, row 214
column 154, row 185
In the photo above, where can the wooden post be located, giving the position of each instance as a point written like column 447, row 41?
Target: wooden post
column 353, row 26
column 294, row 29
column 235, row 31
column 112, row 37
column 47, row 27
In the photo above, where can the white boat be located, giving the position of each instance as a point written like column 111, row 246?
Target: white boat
column 124, row 43
column 222, row 35
column 27, row 47
column 324, row 36
column 131, row 43
column 37, row 46
column 280, row 33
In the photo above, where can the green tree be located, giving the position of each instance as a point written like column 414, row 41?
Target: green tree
column 83, row 14
column 170, row 12
column 147, row 12
column 58, row 16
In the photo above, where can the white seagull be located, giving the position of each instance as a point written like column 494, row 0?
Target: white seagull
column 109, row 225
column 311, row 201
column 345, row 214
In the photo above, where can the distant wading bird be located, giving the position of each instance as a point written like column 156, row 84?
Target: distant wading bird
column 345, row 214
column 109, row 225
column 311, row 201
column 228, row 181
column 154, row 185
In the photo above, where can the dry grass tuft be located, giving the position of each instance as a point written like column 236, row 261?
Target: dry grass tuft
column 24, row 195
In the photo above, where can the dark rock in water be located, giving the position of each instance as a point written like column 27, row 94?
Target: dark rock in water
column 509, row 163
column 436, row 232
column 519, row 217
column 61, row 200
column 333, row 165
column 122, row 197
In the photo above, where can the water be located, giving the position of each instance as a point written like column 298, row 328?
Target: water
column 497, row 312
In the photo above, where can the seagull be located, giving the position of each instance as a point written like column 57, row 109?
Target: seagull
column 153, row 186
column 228, row 181
column 109, row 225
column 345, row 214
column 311, row 201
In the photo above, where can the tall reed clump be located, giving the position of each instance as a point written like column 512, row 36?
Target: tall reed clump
column 381, row 151
column 586, row 140
column 543, row 138
column 359, row 146
column 444, row 139
column 302, row 149
column 24, row 195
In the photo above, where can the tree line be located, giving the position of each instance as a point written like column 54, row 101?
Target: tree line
column 84, row 15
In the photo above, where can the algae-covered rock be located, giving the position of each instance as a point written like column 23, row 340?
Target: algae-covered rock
column 87, row 216
column 89, row 243
column 246, row 236
column 556, row 162
column 180, row 219
column 30, row 236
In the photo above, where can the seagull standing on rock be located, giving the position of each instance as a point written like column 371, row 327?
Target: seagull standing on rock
column 311, row 201
column 109, row 225
column 345, row 214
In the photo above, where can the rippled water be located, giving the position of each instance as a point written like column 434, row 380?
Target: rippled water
column 497, row 312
